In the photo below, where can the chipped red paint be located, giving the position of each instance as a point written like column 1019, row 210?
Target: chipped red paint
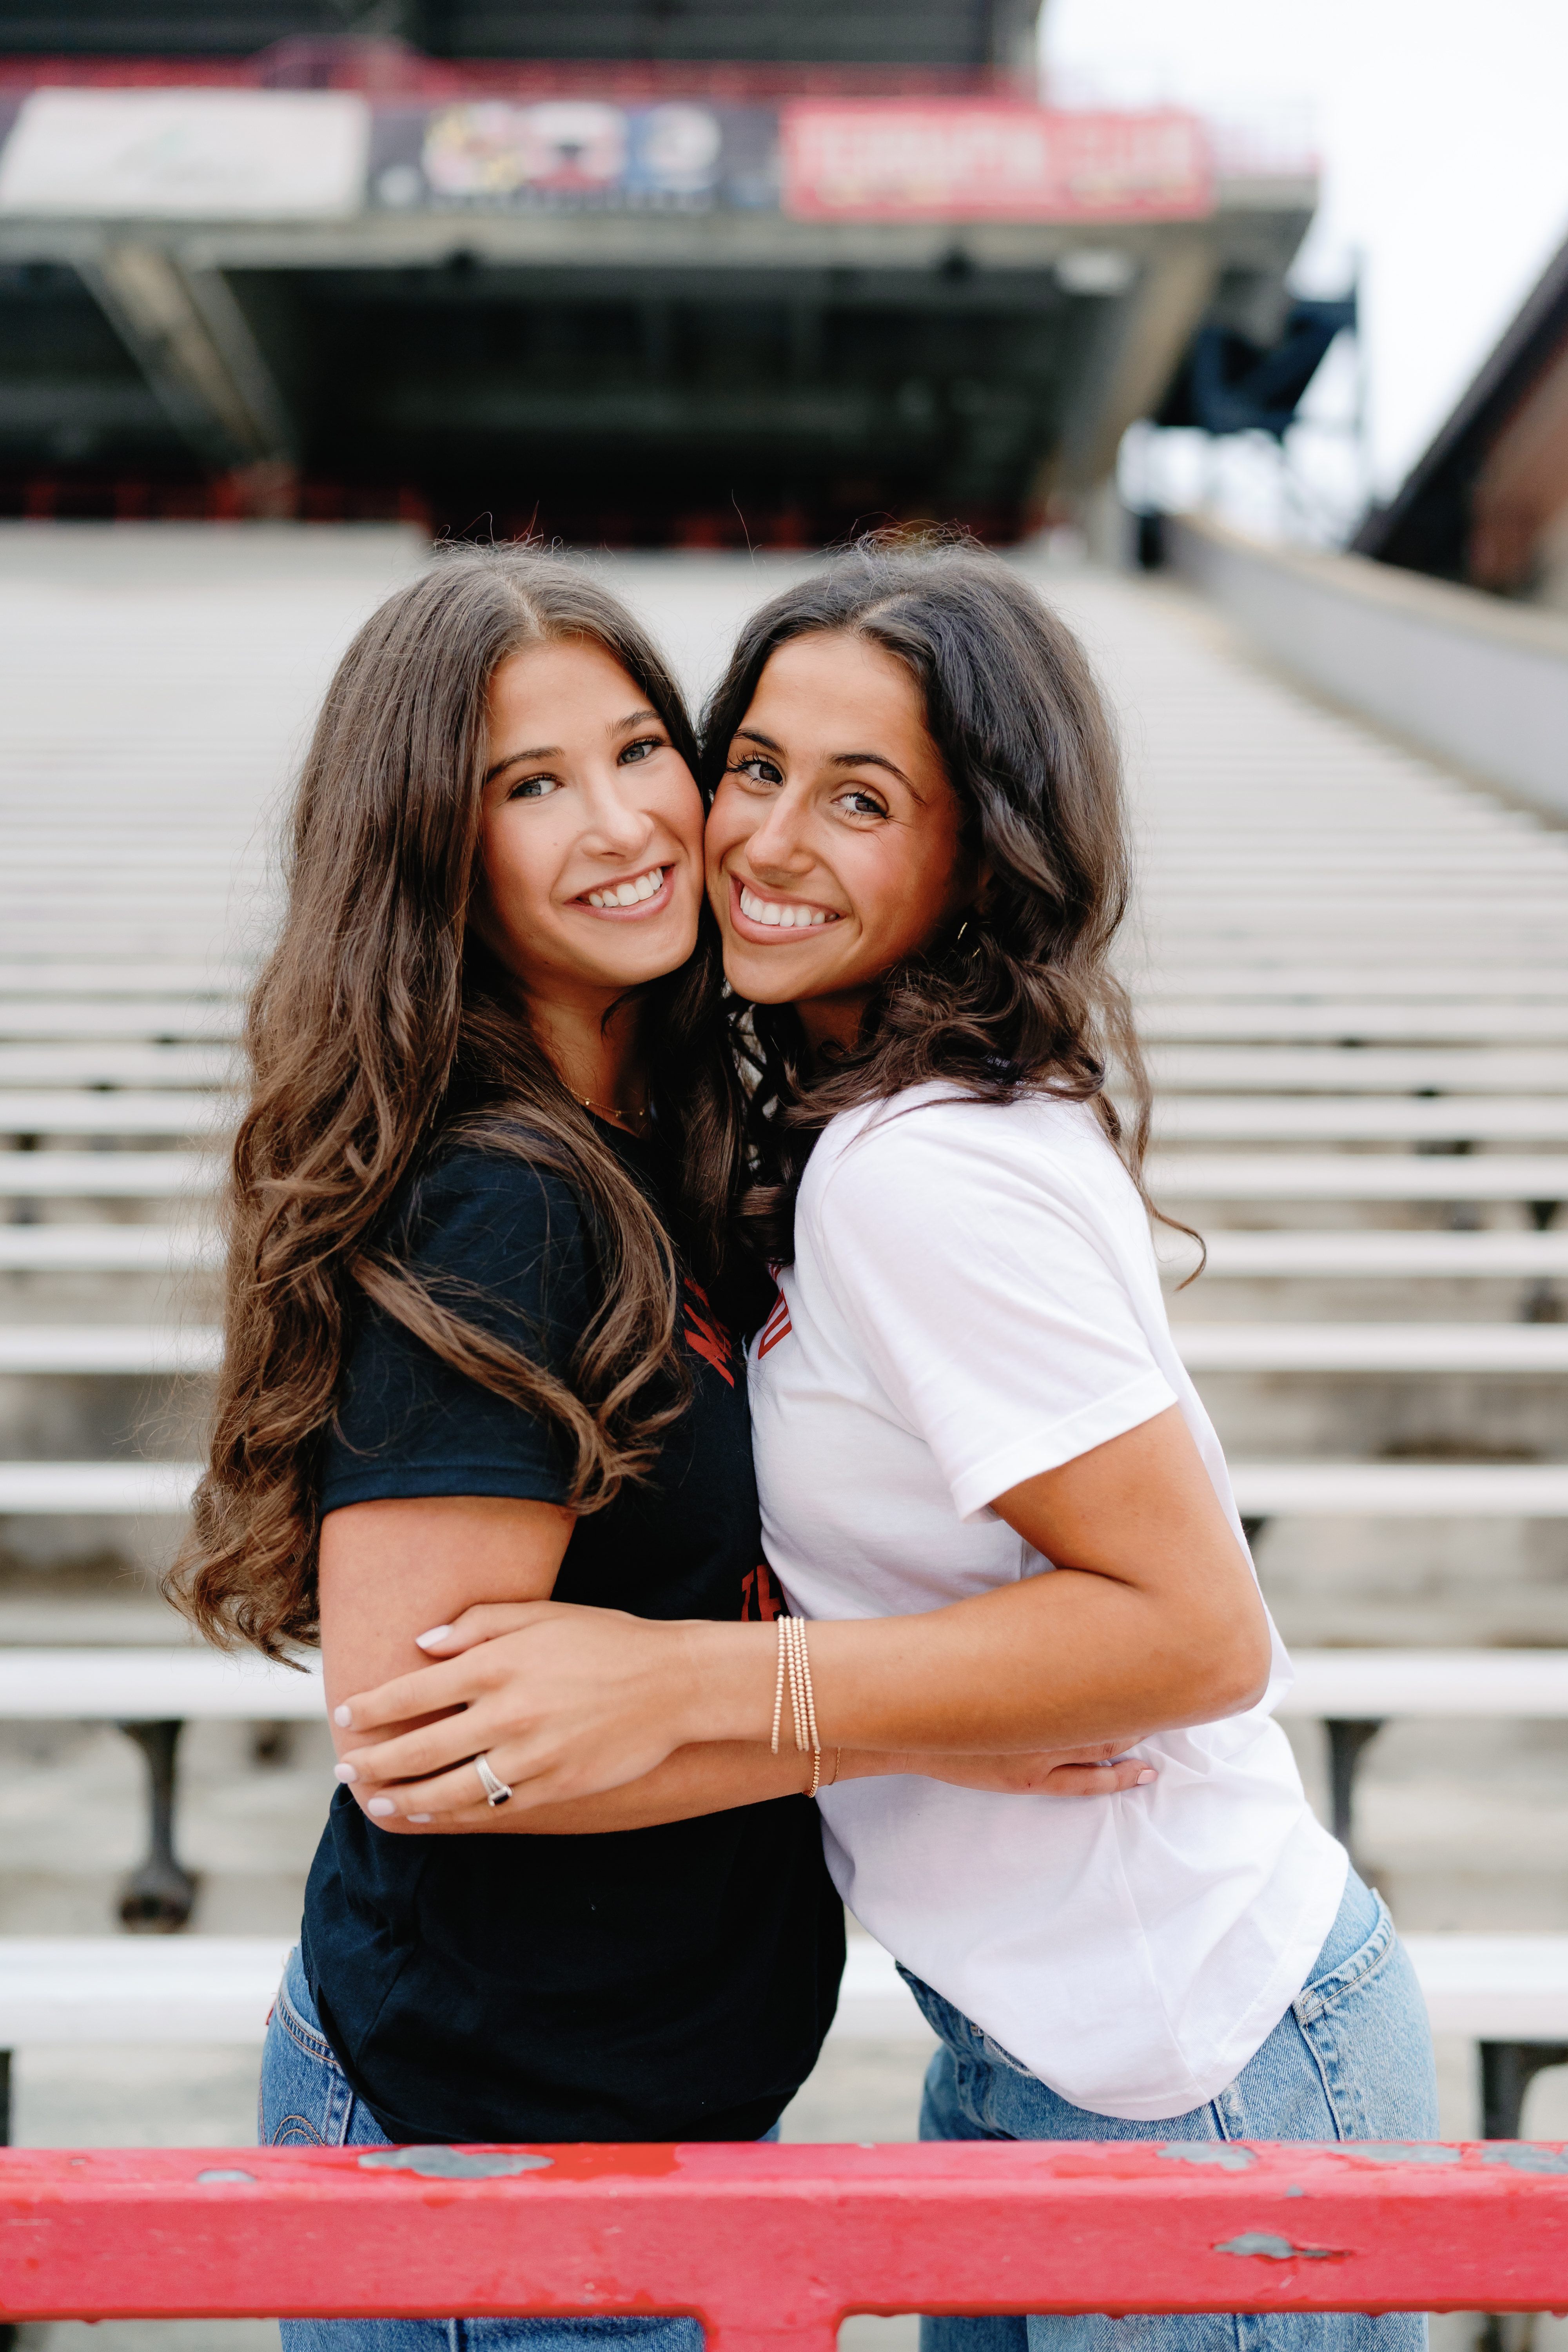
column 772, row 2246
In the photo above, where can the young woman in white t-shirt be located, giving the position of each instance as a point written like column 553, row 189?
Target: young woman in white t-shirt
column 917, row 854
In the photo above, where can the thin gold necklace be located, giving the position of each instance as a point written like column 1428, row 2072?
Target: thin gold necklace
column 631, row 1119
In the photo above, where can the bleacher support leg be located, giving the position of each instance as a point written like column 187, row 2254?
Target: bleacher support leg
column 1347, row 1737
column 1543, row 1302
column 158, row 1895
column 1508, row 2069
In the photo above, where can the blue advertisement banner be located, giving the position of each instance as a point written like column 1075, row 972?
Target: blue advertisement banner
column 575, row 155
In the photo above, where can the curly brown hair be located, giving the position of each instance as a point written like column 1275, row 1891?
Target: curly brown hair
column 380, row 1031
column 1025, row 998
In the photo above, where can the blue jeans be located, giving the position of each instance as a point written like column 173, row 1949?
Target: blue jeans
column 307, row 2101
column 1351, row 2059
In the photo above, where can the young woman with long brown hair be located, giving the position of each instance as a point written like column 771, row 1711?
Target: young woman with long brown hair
column 988, row 1485
column 478, row 1348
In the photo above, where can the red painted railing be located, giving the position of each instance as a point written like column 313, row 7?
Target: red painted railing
column 772, row 2246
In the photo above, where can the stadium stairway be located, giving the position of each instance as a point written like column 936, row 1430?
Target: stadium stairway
column 1352, row 976
column 1352, row 972
column 158, row 687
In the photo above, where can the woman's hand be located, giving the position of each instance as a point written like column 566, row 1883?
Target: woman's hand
column 1103, row 1769
column 562, row 1701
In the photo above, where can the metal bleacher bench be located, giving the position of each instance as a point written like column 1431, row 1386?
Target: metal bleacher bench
column 1395, row 1256
column 1353, row 1693
column 105, row 1175
column 1400, row 1176
column 1524, row 1349
column 1469, row 1069
column 111, row 1111
column 1508, row 1993
column 152, row 1694
column 1369, row 1254
column 1335, row 1017
column 1186, row 1176
column 1358, row 1118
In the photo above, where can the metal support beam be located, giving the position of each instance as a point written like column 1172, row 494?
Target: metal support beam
column 192, row 342
column 1145, row 334
column 1011, row 41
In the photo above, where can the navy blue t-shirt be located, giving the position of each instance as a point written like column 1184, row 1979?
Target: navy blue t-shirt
column 665, row 1983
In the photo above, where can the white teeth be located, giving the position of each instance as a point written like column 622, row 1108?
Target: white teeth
column 782, row 916
column 629, row 894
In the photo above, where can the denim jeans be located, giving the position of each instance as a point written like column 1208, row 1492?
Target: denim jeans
column 307, row 2101
column 1351, row 2059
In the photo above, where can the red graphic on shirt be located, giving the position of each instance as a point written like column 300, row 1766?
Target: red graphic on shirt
column 761, row 1599
column 777, row 1326
column 705, row 1333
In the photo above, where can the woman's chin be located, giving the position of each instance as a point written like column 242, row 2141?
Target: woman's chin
column 629, row 955
column 653, row 959
column 761, row 974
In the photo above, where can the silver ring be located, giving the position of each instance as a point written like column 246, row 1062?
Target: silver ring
column 496, row 1791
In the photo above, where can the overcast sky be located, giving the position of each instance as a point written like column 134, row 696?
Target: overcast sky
column 1443, row 131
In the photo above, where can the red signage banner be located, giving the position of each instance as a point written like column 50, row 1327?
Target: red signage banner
column 974, row 160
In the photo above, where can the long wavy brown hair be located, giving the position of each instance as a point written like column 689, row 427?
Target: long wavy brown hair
column 1022, row 995
column 382, row 1030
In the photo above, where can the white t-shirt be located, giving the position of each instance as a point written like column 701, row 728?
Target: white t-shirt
column 974, row 1299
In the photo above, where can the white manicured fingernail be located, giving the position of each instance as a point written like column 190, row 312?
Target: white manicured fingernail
column 436, row 1633
column 344, row 1772
column 381, row 1806
column 1147, row 1775
column 421, row 1817
column 343, row 1716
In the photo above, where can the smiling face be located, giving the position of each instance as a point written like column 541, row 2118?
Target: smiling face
column 592, row 835
column 834, row 846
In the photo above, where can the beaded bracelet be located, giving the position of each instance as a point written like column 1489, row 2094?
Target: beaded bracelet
column 794, row 1670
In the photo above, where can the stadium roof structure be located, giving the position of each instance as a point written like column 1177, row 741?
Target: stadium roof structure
column 641, row 292
column 1488, row 502
column 936, row 32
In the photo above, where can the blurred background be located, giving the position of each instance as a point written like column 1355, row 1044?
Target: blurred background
column 1243, row 330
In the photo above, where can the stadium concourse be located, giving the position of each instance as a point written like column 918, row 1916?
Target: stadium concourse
column 1353, row 973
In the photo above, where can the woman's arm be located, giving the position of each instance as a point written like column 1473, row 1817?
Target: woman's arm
column 390, row 1569
column 722, row 1776
column 1152, row 1619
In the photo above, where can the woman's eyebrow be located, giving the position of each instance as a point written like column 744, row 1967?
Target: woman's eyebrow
column 543, row 751
column 876, row 760
column 552, row 750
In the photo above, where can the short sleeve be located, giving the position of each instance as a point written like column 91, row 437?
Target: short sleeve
column 982, row 1281
column 501, row 1243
